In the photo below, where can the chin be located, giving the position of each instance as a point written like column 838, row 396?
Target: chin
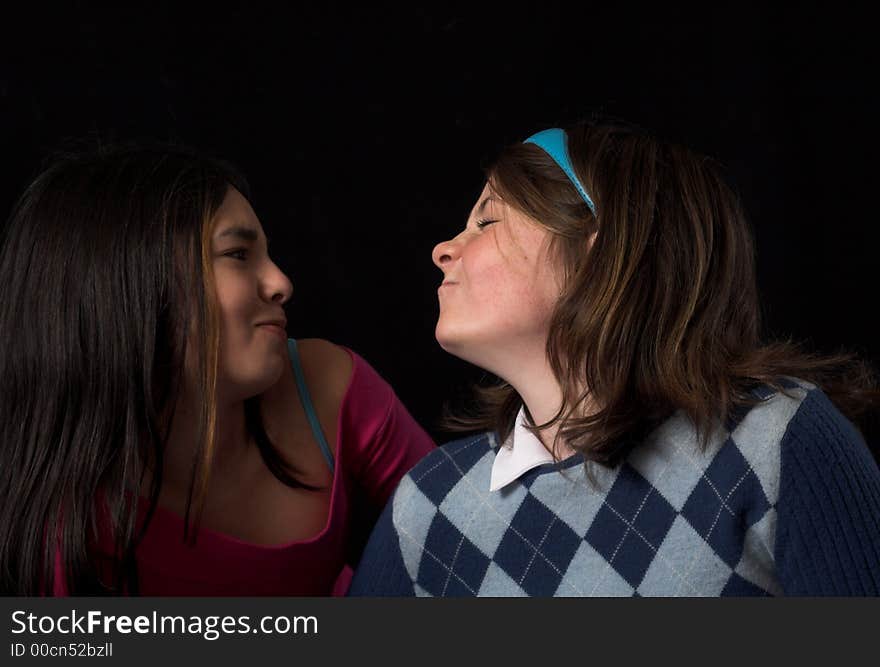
column 252, row 389
column 271, row 376
column 481, row 352
column 457, row 346
column 445, row 339
column 241, row 386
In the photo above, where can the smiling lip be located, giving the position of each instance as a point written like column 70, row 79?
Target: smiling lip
column 277, row 327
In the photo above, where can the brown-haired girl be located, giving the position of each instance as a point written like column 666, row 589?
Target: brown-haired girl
column 643, row 438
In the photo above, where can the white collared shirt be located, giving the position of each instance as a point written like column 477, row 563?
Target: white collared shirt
column 521, row 452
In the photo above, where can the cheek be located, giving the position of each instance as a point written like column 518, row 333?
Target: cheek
column 547, row 288
column 486, row 265
column 502, row 259
column 508, row 288
column 235, row 304
column 250, row 360
column 536, row 273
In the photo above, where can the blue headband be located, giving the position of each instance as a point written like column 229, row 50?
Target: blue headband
column 554, row 142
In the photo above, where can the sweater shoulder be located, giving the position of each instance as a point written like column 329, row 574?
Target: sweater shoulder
column 758, row 431
column 820, row 429
column 787, row 428
column 446, row 465
column 823, row 452
column 675, row 459
column 828, row 536
column 459, row 467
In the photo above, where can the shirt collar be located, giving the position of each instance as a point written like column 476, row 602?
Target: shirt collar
column 521, row 452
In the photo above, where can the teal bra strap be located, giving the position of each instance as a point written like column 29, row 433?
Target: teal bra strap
column 307, row 403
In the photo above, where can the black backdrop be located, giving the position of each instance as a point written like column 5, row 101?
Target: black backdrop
column 363, row 132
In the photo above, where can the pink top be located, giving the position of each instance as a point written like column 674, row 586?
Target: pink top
column 377, row 443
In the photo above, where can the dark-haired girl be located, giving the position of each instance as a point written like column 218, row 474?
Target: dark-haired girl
column 159, row 432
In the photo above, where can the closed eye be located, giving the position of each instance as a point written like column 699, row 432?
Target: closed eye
column 240, row 254
column 484, row 223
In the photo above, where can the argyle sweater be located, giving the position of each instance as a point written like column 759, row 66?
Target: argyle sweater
column 784, row 500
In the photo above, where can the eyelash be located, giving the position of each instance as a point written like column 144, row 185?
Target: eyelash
column 484, row 223
column 233, row 253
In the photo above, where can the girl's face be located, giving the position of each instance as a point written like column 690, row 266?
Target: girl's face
column 251, row 291
column 499, row 287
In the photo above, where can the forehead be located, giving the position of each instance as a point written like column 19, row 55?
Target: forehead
column 235, row 213
column 487, row 198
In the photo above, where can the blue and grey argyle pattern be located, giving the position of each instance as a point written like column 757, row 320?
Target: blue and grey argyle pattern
column 674, row 519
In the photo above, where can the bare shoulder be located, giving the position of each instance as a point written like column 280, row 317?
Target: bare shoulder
column 327, row 368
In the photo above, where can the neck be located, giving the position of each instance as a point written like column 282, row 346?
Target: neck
column 231, row 441
column 533, row 379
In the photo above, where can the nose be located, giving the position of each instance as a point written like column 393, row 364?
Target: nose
column 276, row 285
column 444, row 252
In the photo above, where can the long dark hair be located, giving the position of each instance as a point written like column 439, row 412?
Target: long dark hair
column 105, row 268
column 662, row 313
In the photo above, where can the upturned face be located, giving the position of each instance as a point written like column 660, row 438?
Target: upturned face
column 499, row 286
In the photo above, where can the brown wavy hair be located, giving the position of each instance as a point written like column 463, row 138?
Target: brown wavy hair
column 661, row 313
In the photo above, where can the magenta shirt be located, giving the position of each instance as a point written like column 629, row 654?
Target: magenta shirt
column 377, row 443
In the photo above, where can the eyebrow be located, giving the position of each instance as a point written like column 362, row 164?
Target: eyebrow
column 483, row 204
column 245, row 233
